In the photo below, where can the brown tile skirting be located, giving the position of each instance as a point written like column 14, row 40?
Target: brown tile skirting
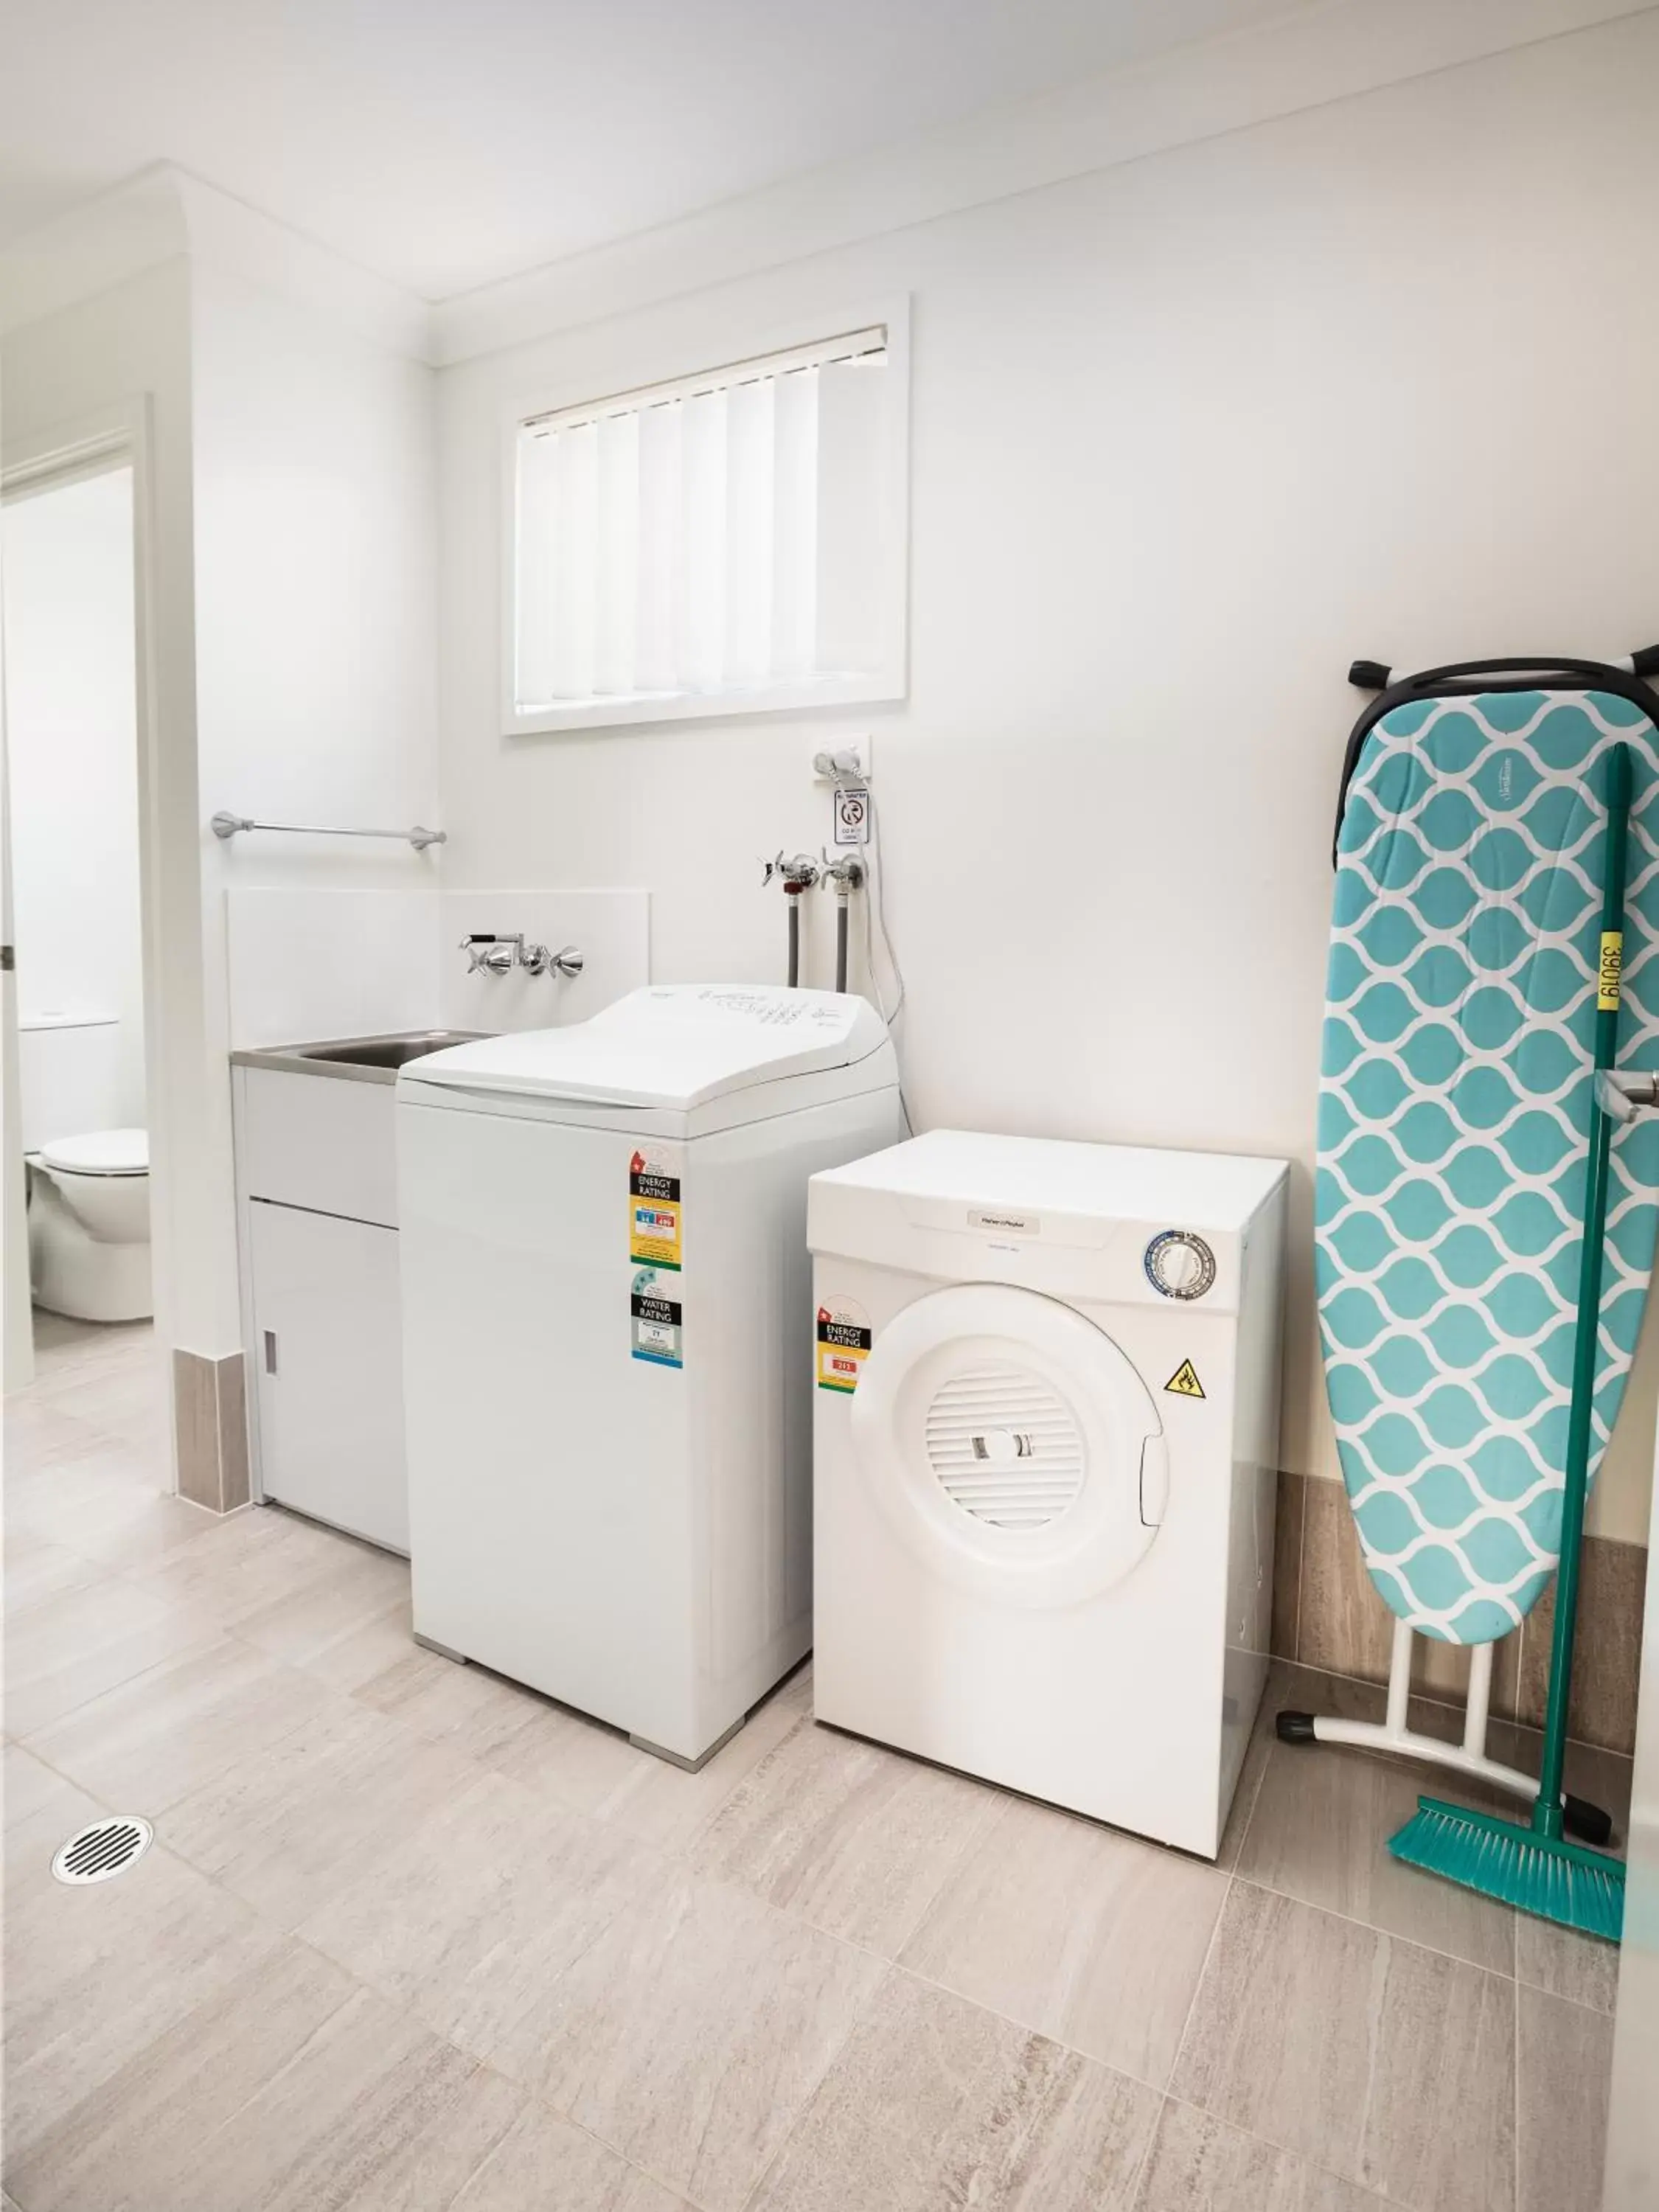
column 1327, row 1615
column 210, row 1423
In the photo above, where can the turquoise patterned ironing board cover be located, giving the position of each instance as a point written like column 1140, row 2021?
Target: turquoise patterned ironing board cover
column 1454, row 1117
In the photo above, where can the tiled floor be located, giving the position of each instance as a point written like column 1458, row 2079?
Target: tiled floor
column 414, row 1940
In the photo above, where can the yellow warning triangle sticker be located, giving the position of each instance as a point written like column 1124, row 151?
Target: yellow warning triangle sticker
column 1184, row 1382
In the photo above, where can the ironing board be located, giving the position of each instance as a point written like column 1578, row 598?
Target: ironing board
column 1453, row 1117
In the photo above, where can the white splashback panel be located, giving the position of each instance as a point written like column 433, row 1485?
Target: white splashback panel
column 610, row 929
column 308, row 963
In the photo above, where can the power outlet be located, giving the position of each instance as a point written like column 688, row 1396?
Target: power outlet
column 846, row 761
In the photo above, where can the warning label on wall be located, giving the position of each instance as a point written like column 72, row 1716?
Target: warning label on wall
column 655, row 1221
column 656, row 1320
column 1184, row 1382
column 844, row 1337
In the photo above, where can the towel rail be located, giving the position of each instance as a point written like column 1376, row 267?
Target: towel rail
column 227, row 825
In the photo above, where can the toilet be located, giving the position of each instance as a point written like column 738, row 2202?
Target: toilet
column 88, row 1199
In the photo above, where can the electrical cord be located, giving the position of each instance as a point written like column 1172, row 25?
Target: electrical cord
column 875, row 906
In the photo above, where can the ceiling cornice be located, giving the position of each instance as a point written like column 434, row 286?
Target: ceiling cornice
column 164, row 212
column 1300, row 60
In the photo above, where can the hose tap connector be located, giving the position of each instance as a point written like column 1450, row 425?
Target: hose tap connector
column 799, row 873
column 843, row 875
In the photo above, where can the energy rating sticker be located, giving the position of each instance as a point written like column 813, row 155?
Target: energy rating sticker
column 843, row 1345
column 655, row 1220
column 1184, row 1382
column 656, row 1320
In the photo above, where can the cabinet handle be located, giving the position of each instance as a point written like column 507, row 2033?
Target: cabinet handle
column 271, row 1352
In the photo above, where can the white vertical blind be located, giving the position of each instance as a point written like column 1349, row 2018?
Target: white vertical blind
column 694, row 540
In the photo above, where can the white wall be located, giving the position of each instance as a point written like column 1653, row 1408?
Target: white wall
column 73, row 760
column 315, row 621
column 1188, row 436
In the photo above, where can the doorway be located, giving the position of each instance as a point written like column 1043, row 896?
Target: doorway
column 76, row 1085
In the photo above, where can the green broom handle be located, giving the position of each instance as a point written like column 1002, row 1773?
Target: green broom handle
column 1547, row 1818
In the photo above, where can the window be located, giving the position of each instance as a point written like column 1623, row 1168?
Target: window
column 728, row 541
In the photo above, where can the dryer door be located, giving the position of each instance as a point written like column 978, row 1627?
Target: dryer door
column 1011, row 1444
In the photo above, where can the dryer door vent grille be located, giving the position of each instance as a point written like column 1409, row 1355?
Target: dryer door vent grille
column 1005, row 1447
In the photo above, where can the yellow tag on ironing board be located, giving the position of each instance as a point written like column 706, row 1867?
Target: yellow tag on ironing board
column 1613, row 961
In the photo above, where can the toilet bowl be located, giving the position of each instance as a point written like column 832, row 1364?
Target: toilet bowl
column 89, row 1226
column 88, row 1195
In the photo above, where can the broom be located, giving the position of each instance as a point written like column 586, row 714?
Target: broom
column 1534, row 1866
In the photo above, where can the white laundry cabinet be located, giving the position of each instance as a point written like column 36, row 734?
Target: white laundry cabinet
column 317, row 1209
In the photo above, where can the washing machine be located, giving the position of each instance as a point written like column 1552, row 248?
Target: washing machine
column 1046, row 1429
column 605, row 1282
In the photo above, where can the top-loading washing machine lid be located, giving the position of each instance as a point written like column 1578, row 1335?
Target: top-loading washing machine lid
column 672, row 1046
column 104, row 1153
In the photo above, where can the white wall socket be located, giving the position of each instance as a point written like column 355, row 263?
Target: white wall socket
column 847, row 760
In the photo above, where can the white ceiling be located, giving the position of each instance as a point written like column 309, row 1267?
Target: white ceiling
column 446, row 143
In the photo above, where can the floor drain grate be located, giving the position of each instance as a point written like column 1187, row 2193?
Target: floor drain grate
column 106, row 1849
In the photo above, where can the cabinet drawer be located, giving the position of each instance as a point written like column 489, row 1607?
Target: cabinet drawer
column 313, row 1141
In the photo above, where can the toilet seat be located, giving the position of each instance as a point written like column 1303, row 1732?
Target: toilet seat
column 101, row 1152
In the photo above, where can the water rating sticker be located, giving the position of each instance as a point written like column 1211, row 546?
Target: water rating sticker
column 843, row 1345
column 1184, row 1382
column 655, row 1321
column 655, row 1218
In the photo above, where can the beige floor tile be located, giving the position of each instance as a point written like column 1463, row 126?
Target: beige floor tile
column 120, row 1391
column 361, row 1586
column 27, row 1788
column 355, row 1658
column 1089, row 1937
column 39, row 1436
column 288, row 1827
column 579, row 1763
column 91, row 1974
column 1199, row 2164
column 1581, row 1968
column 150, row 1742
column 36, row 1568
column 67, row 1649
column 130, row 2141
column 690, row 2036
column 1391, row 2065
column 664, row 1805
column 146, row 1531
column 238, row 1570
column 1320, row 1832
column 546, row 2164
column 472, row 1919
column 374, row 2114
column 935, row 2102
column 1564, row 2057
column 854, row 1839
column 521, row 1735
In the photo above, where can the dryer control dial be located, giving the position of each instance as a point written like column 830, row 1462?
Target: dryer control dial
column 1180, row 1264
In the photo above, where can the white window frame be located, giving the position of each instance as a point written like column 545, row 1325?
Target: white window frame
column 886, row 681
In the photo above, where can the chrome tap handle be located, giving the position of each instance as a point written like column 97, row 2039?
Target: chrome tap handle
column 567, row 961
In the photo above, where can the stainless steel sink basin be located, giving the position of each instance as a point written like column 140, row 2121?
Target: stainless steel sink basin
column 360, row 1060
column 387, row 1051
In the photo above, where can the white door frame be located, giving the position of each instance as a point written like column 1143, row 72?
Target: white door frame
column 114, row 437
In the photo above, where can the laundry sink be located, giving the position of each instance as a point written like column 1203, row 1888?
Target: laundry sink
column 387, row 1051
column 363, row 1060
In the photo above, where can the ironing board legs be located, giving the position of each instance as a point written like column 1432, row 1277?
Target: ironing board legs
column 1394, row 1733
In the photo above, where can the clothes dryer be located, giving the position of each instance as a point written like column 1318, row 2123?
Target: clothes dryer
column 1046, row 1460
